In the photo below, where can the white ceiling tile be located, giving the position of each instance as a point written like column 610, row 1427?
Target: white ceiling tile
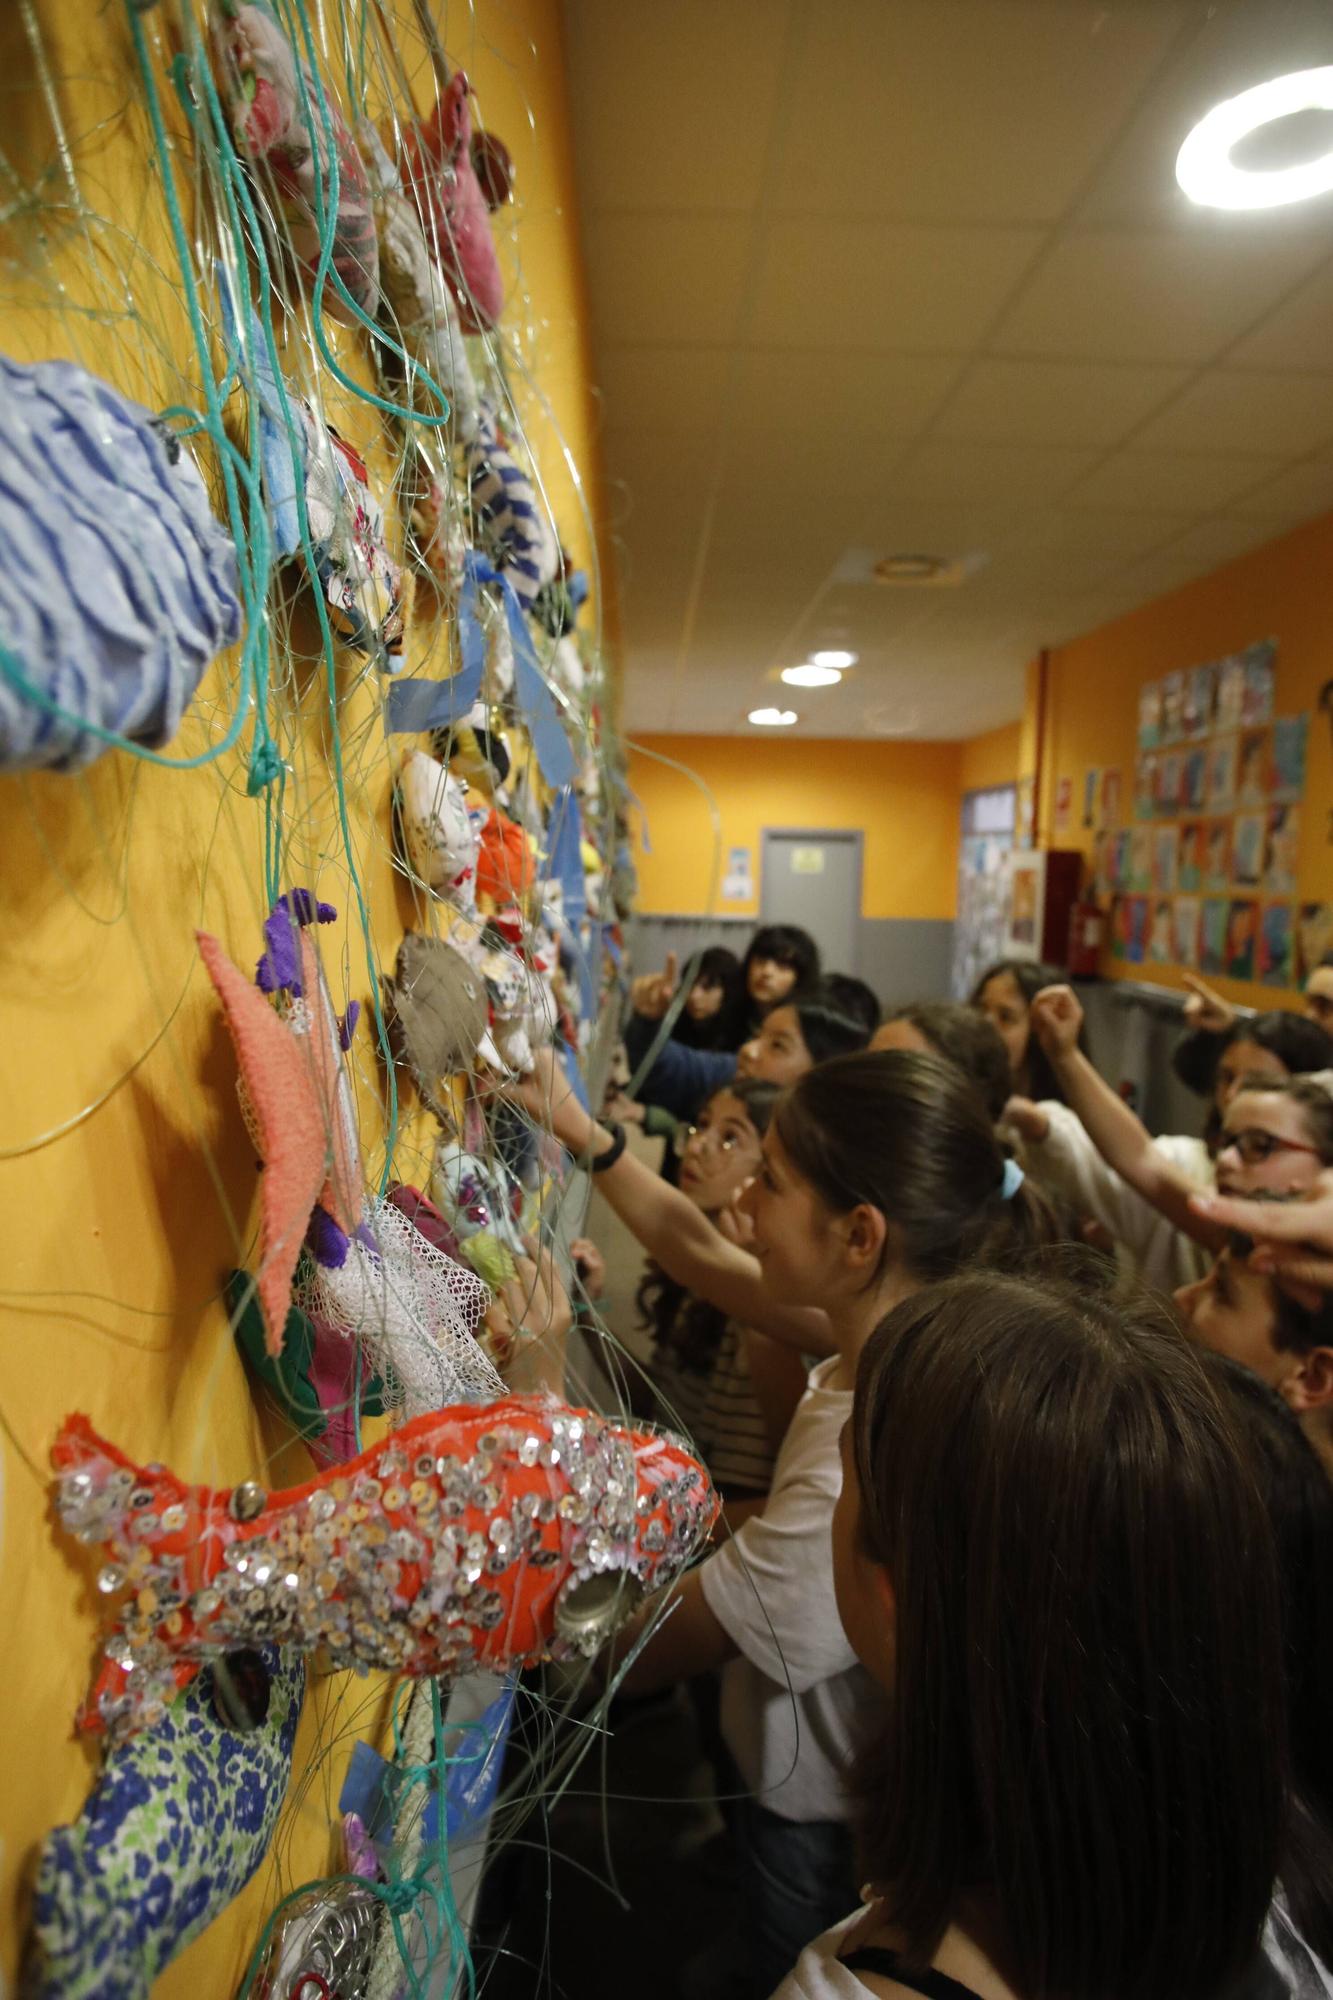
column 834, row 283
column 1201, row 550
column 666, row 277
column 1297, row 334
column 1054, row 402
column 1298, row 494
column 942, row 469
column 1235, row 409
column 911, row 104
column 686, row 138
column 844, row 396
column 1152, row 295
column 655, row 386
column 1199, row 483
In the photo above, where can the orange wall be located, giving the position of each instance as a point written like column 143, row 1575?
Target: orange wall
column 904, row 796
column 1280, row 591
column 992, row 759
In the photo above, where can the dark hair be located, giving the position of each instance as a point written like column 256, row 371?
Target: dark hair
column 727, row 1028
column 964, row 1035
column 1299, row 1497
column 1086, row 1731
column 1299, row 1044
column 909, row 1135
column 789, row 945
column 851, row 996
column 826, row 1028
column 1313, row 1099
column 1032, row 978
column 683, row 1326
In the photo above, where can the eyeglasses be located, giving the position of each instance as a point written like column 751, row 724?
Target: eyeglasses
column 726, row 1142
column 1255, row 1146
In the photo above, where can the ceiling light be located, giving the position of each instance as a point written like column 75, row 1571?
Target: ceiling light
column 772, row 718
column 834, row 658
column 813, row 675
column 1204, row 166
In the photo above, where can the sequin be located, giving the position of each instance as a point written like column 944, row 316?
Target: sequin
column 111, row 1578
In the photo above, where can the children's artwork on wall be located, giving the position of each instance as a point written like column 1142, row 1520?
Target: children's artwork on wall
column 1185, row 931
column 1150, row 715
column 1220, row 777
column 1145, row 786
column 1159, row 932
column 1213, row 935
column 1025, row 812
column 1109, row 810
column 1091, row 789
column 1103, row 864
column 1275, row 944
column 1121, row 862
column 1217, row 855
column 1241, row 926
column 1140, row 859
column 1259, row 669
column 1064, row 807
column 1189, row 862
column 1170, row 784
column 1252, row 768
column 1173, row 707
column 1164, row 848
column 1194, row 783
column 1287, row 766
column 1230, row 702
column 1247, row 854
column 1314, row 938
column 1282, row 850
column 1138, row 929
column 1200, row 695
column 1120, row 927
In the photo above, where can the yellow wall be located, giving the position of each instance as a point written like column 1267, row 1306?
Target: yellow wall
column 903, row 795
column 1279, row 591
column 127, row 1184
column 992, row 759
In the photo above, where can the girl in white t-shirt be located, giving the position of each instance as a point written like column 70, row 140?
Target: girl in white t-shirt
column 1052, row 1555
column 880, row 1173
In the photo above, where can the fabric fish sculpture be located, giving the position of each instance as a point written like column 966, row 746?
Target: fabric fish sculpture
column 492, row 1535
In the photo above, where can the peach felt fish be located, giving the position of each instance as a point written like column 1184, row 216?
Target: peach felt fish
column 489, row 1535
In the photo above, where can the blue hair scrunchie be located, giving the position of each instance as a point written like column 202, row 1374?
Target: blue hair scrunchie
column 1014, row 1178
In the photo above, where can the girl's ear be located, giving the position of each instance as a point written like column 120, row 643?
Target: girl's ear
column 867, row 1233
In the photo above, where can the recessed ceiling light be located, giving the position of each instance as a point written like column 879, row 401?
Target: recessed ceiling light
column 813, row 675
column 772, row 718
column 1204, row 167
column 832, row 658
column 910, row 568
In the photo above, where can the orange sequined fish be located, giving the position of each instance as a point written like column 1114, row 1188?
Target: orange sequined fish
column 483, row 1535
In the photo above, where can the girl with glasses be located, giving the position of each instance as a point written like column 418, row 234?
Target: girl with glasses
column 1273, row 1134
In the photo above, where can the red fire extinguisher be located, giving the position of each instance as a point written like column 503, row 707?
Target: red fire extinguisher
column 1087, row 934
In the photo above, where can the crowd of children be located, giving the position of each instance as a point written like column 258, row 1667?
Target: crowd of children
column 1022, row 1418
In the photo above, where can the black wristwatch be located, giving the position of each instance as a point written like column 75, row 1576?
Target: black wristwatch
column 601, row 1161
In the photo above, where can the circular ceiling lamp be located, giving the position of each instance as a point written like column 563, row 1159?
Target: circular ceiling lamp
column 833, row 657
column 812, row 675
column 1209, row 176
column 772, row 718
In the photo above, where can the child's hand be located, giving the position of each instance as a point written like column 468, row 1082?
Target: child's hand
column 652, row 993
column 1057, row 1018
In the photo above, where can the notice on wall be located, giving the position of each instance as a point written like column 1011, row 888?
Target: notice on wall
column 807, row 861
column 738, row 882
column 1064, row 808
